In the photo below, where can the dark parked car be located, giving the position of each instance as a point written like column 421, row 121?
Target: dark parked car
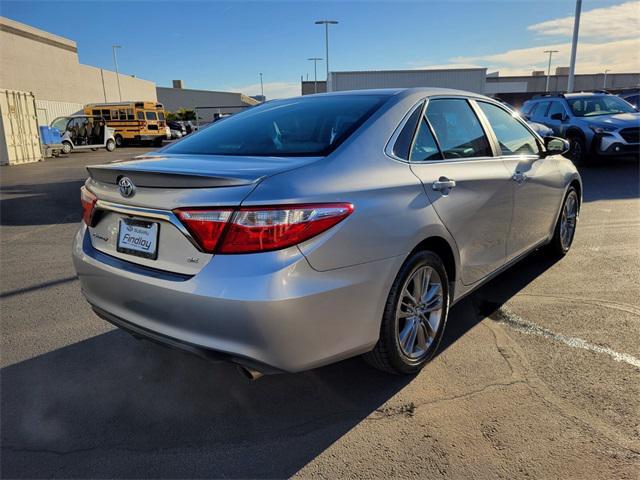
column 597, row 124
column 633, row 97
column 177, row 126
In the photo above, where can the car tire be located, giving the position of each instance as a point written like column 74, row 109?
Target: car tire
column 578, row 151
column 157, row 142
column 407, row 342
column 66, row 147
column 119, row 141
column 111, row 145
column 566, row 224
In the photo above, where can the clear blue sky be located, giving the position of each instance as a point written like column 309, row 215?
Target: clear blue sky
column 221, row 45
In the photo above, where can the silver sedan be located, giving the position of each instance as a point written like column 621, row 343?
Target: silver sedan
column 304, row 231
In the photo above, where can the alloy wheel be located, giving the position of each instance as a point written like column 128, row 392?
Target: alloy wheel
column 568, row 219
column 419, row 312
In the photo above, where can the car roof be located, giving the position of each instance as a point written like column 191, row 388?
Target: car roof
column 389, row 92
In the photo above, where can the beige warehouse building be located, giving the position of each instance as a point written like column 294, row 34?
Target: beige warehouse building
column 47, row 65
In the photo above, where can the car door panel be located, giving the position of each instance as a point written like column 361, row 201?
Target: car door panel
column 536, row 181
column 468, row 188
column 476, row 212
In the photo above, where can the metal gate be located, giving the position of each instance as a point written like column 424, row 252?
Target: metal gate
column 19, row 134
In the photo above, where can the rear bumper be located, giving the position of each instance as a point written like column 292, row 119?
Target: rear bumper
column 269, row 311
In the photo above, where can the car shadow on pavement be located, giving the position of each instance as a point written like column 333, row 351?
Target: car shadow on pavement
column 483, row 302
column 40, row 204
column 111, row 406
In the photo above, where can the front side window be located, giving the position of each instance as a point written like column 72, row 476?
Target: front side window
column 598, row 105
column 457, row 129
column 424, row 146
column 513, row 137
column 308, row 126
column 151, row 115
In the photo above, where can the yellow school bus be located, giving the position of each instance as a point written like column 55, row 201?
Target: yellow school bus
column 132, row 121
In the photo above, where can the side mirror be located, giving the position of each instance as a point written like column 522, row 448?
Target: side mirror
column 558, row 116
column 555, row 146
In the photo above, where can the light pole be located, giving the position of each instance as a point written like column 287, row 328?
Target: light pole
column 115, row 62
column 604, row 83
column 550, row 52
column 574, row 46
column 326, row 24
column 261, row 88
column 315, row 72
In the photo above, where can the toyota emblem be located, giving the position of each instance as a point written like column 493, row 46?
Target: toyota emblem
column 127, row 188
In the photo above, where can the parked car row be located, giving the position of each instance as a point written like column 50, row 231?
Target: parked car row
column 596, row 124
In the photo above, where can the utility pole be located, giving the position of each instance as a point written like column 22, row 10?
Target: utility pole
column 315, row 72
column 550, row 52
column 326, row 24
column 604, row 83
column 574, row 46
column 261, row 88
column 115, row 62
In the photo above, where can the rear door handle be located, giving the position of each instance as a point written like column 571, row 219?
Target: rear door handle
column 443, row 184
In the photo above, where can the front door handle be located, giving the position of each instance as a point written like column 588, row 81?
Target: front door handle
column 519, row 178
column 443, row 184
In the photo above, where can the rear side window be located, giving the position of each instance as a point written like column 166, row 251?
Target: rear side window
column 540, row 110
column 556, row 107
column 513, row 137
column 457, row 129
column 402, row 147
column 307, row 126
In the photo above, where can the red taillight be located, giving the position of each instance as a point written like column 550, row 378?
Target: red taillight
column 260, row 229
column 88, row 201
column 206, row 226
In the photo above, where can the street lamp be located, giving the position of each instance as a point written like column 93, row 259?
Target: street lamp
column 315, row 72
column 261, row 88
column 326, row 24
column 604, row 83
column 550, row 52
column 574, row 46
column 115, row 62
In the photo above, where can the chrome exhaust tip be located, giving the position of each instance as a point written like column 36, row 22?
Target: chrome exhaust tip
column 249, row 373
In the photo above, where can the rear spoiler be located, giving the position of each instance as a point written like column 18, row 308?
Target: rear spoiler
column 165, row 179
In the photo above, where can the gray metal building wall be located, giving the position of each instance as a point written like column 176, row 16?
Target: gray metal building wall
column 470, row 79
column 558, row 83
column 174, row 99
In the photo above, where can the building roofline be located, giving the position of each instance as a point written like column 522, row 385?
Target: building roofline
column 415, row 70
column 32, row 33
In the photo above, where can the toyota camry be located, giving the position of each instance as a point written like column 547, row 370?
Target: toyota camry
column 305, row 231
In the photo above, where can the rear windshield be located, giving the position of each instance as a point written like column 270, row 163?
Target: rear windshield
column 313, row 126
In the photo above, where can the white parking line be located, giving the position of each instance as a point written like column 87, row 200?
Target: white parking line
column 506, row 316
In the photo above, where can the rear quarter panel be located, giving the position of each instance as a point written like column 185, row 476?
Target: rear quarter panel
column 391, row 214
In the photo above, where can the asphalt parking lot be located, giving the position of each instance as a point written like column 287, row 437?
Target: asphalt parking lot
column 538, row 375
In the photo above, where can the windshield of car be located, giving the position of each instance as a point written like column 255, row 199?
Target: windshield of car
column 60, row 124
column 313, row 126
column 598, row 105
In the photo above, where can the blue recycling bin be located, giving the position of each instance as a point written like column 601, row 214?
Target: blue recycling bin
column 50, row 135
